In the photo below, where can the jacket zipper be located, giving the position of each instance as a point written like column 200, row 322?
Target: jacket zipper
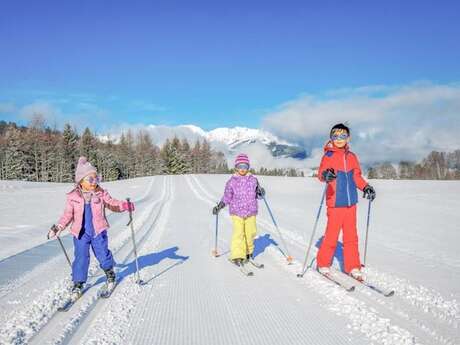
column 346, row 177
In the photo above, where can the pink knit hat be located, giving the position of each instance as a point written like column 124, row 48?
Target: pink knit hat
column 84, row 168
column 242, row 158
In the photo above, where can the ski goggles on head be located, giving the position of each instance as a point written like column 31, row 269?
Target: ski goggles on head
column 93, row 180
column 342, row 136
column 242, row 166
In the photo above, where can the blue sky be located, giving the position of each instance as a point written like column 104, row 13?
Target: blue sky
column 213, row 63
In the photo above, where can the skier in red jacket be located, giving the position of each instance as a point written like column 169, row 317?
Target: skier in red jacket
column 341, row 170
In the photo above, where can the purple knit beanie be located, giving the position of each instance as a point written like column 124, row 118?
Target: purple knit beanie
column 84, row 168
column 242, row 158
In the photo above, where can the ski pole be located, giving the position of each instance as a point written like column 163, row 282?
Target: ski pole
column 288, row 257
column 65, row 252
column 214, row 252
column 62, row 247
column 304, row 268
column 138, row 280
column 367, row 231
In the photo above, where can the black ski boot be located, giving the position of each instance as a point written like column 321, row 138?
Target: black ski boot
column 77, row 290
column 111, row 280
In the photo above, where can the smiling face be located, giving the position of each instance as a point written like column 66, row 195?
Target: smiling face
column 340, row 138
column 89, row 183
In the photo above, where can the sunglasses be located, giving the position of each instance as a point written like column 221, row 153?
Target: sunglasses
column 93, row 180
column 242, row 166
column 342, row 136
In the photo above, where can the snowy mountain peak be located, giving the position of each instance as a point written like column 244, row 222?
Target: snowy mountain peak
column 237, row 135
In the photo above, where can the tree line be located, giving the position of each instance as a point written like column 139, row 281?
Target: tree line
column 39, row 153
column 436, row 166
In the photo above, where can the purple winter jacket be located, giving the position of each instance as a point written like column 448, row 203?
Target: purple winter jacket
column 240, row 194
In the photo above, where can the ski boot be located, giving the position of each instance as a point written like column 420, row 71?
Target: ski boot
column 111, row 279
column 77, row 291
column 324, row 270
column 357, row 274
column 250, row 259
column 238, row 262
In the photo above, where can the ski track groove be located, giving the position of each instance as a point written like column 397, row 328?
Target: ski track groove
column 370, row 297
column 92, row 308
column 23, row 323
column 367, row 312
column 262, row 306
column 127, row 296
column 14, row 285
column 178, row 311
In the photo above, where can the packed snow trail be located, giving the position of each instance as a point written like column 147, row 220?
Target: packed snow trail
column 205, row 301
column 436, row 322
column 193, row 298
column 31, row 301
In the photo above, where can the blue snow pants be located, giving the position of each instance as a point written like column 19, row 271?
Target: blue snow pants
column 85, row 240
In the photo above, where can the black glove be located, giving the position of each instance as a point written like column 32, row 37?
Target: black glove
column 369, row 192
column 329, row 175
column 217, row 208
column 260, row 192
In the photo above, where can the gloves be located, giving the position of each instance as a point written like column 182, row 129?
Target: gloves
column 260, row 192
column 127, row 206
column 369, row 192
column 217, row 208
column 55, row 230
column 329, row 175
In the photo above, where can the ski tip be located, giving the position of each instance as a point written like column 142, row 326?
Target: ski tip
column 389, row 294
column 351, row 289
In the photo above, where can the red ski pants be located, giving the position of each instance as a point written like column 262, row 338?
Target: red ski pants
column 340, row 218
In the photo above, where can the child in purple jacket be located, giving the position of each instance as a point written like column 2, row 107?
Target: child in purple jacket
column 241, row 193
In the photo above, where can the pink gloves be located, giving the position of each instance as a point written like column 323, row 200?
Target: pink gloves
column 127, row 206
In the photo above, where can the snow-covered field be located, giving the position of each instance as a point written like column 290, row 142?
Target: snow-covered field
column 192, row 298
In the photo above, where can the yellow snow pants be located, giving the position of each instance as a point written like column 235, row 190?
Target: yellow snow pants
column 244, row 232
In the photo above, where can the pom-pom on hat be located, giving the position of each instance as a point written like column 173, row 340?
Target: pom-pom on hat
column 242, row 159
column 84, row 168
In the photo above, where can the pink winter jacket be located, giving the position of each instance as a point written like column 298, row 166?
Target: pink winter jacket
column 75, row 206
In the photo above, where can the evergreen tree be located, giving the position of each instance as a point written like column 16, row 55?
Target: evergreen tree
column 88, row 146
column 14, row 159
column 195, row 157
column 205, row 157
column 68, row 154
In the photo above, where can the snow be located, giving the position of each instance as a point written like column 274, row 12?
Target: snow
column 191, row 297
column 237, row 135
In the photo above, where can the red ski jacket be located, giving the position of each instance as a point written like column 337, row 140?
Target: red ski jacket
column 341, row 192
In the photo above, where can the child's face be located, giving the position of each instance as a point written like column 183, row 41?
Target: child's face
column 242, row 172
column 89, row 183
column 340, row 138
column 242, row 169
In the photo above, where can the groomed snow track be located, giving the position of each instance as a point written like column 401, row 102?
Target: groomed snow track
column 191, row 297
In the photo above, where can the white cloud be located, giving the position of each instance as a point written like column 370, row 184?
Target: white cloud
column 45, row 109
column 387, row 123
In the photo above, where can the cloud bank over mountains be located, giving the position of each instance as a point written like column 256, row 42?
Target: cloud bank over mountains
column 388, row 123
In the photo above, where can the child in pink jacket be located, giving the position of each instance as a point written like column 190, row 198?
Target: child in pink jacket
column 85, row 209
